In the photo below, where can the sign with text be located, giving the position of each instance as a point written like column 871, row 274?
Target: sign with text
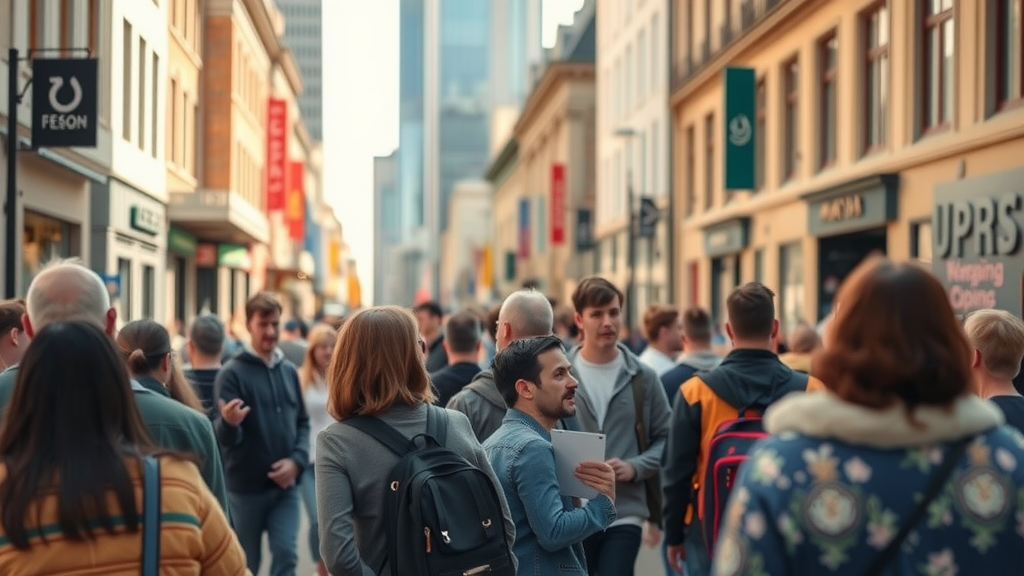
column 648, row 218
column 852, row 206
column 64, row 102
column 558, row 203
column 295, row 201
column 740, row 113
column 584, row 230
column 977, row 243
column 277, row 153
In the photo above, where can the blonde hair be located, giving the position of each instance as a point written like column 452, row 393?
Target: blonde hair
column 999, row 336
column 318, row 334
column 377, row 363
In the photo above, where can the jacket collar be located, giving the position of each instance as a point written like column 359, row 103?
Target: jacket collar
column 825, row 415
column 514, row 415
column 153, row 385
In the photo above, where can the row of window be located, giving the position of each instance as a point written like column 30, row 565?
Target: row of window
column 250, row 83
column 185, row 18
column 141, row 77
column 632, row 79
column 182, row 128
column 248, row 180
column 934, row 106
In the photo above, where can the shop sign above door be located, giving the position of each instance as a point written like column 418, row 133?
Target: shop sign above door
column 64, row 110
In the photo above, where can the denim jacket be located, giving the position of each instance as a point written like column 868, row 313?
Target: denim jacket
column 549, row 529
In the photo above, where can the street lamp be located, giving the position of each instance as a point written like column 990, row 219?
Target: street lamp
column 628, row 134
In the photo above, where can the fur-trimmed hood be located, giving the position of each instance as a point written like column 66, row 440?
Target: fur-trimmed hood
column 825, row 415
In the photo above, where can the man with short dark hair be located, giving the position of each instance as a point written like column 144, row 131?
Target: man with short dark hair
column 462, row 347
column 535, row 380
column 612, row 379
column 750, row 376
column 205, row 346
column 697, row 353
column 264, row 430
column 663, row 331
column 430, row 318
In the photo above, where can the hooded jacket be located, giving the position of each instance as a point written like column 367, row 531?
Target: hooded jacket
column 745, row 378
column 481, row 402
column 276, row 427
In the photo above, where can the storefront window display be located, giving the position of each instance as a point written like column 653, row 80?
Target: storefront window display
column 791, row 296
column 44, row 239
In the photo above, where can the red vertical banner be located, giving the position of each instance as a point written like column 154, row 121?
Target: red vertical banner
column 277, row 153
column 557, row 203
column 295, row 201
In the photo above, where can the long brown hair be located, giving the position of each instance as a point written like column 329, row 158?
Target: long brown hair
column 318, row 334
column 145, row 344
column 894, row 337
column 73, row 423
column 377, row 363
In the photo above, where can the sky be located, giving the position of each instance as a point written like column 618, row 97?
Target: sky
column 360, row 92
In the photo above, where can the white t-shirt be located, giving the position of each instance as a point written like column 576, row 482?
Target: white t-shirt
column 656, row 360
column 599, row 382
column 315, row 397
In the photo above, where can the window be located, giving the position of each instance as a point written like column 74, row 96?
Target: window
column 156, row 103
column 1009, row 53
column 655, row 53
column 760, row 135
column 641, row 67
column 193, row 158
column 876, row 79
column 791, row 280
column 172, row 124
column 790, row 135
column 148, row 289
column 36, row 25
column 937, row 66
column 628, row 83
column 828, row 62
column 655, row 167
column 126, row 85
column 124, row 271
column 759, row 265
column 921, row 242
column 691, row 167
column 67, row 26
column 94, row 27
column 709, row 161
column 142, row 94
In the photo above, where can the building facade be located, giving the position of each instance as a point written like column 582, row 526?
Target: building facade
column 545, row 178
column 633, row 136
column 465, row 247
column 875, row 121
column 387, row 230
column 303, row 33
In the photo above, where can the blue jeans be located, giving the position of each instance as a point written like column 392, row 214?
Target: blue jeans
column 697, row 561
column 664, row 560
column 613, row 552
column 275, row 512
column 308, row 488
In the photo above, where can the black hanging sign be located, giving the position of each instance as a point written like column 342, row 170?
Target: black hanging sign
column 64, row 102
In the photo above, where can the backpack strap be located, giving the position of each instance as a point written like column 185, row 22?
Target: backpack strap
column 437, row 424
column 652, row 485
column 382, row 432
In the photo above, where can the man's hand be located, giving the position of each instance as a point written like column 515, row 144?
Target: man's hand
column 599, row 476
column 624, row 471
column 676, row 555
column 283, row 472
column 234, row 411
column 652, row 535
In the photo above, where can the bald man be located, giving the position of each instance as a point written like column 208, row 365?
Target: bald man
column 524, row 314
column 65, row 290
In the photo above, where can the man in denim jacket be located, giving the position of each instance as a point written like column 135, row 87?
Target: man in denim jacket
column 533, row 375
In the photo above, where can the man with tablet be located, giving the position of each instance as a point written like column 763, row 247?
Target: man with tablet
column 533, row 375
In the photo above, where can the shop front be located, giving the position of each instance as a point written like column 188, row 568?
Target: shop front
column 724, row 244
column 850, row 222
column 976, row 230
column 181, row 275
column 129, row 245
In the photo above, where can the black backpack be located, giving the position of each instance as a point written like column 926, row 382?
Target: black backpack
column 444, row 515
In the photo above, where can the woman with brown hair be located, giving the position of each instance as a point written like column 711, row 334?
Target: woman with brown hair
column 898, row 445
column 377, row 370
column 71, row 482
column 312, row 377
column 146, row 347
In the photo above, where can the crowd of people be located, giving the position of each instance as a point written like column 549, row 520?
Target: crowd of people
column 887, row 441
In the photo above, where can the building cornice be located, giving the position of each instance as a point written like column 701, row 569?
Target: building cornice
column 508, row 155
column 263, row 22
column 286, row 60
column 553, row 77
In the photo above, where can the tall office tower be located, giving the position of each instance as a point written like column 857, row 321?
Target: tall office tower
column 303, row 33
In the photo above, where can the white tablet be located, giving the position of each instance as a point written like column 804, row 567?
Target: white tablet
column 571, row 448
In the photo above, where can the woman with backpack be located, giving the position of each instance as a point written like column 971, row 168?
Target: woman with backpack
column 377, row 387
column 898, row 469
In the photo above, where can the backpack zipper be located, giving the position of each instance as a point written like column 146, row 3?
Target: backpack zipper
column 426, row 535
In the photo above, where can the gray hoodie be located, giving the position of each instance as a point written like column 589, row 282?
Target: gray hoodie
column 481, row 402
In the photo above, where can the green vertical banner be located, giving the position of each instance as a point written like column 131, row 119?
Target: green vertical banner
column 740, row 111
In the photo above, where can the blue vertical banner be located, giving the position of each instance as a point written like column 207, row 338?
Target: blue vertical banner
column 524, row 228
column 740, row 114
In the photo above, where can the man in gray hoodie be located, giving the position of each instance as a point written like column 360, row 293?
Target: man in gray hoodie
column 697, row 353
column 524, row 314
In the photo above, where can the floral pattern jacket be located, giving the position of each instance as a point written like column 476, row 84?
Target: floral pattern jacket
column 832, row 486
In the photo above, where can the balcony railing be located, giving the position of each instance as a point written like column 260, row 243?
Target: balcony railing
column 751, row 13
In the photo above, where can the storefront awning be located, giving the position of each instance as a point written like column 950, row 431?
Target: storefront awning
column 218, row 216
